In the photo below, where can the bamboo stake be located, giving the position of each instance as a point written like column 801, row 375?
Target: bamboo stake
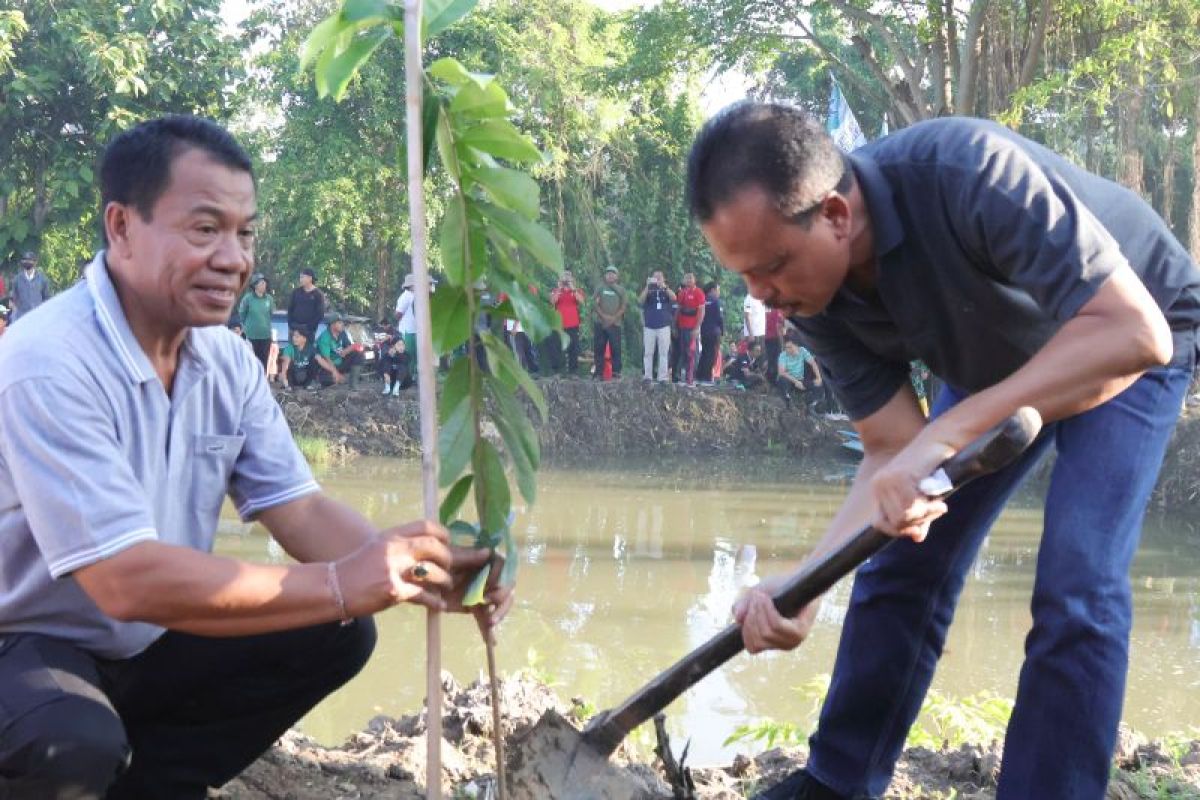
column 426, row 387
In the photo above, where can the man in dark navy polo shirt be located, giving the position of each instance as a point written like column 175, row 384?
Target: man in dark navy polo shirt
column 1020, row 279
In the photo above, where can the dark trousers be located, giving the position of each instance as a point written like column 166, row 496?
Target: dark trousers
column 1063, row 729
column 610, row 336
column 300, row 376
column 187, row 713
column 349, row 361
column 554, row 351
column 262, row 350
column 774, row 347
column 709, row 344
column 396, row 371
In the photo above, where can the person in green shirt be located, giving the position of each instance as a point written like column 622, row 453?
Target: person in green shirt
column 790, row 379
column 336, row 355
column 609, row 307
column 255, row 314
column 297, row 363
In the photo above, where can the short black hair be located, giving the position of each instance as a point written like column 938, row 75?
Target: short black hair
column 778, row 147
column 136, row 165
column 708, row 287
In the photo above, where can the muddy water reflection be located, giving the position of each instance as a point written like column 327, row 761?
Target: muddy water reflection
column 627, row 567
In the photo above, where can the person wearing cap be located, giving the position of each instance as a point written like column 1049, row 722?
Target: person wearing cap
column 1021, row 280
column 306, row 308
column 30, row 287
column 337, row 356
column 255, row 312
column 608, row 309
column 406, row 318
column 134, row 662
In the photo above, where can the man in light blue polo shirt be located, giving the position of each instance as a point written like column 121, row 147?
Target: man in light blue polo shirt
column 133, row 662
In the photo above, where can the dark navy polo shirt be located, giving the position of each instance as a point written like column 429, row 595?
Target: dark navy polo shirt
column 987, row 243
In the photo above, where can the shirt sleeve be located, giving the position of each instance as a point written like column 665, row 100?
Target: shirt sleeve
column 78, row 493
column 270, row 469
column 862, row 381
column 325, row 345
column 1026, row 226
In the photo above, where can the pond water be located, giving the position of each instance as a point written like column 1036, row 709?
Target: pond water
column 628, row 566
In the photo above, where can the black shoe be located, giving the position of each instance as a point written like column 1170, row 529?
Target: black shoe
column 799, row 786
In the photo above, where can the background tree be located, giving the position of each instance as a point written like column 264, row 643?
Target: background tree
column 73, row 73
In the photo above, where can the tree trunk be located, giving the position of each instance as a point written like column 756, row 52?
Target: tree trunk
column 1033, row 48
column 1131, row 167
column 383, row 274
column 41, row 203
column 1194, row 218
column 1167, row 204
column 968, row 83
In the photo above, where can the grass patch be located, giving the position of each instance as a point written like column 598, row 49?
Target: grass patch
column 319, row 452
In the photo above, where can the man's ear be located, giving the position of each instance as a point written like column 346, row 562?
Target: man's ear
column 836, row 210
column 116, row 228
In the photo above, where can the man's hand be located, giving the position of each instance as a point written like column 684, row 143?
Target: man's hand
column 338, row 377
column 497, row 600
column 763, row 627
column 902, row 508
column 381, row 573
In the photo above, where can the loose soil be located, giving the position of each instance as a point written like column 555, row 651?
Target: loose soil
column 627, row 417
column 387, row 760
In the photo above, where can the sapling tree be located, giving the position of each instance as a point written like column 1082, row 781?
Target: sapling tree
column 490, row 245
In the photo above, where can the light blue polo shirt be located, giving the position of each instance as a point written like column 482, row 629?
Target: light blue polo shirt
column 95, row 457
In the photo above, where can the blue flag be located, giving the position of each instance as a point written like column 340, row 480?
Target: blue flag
column 841, row 124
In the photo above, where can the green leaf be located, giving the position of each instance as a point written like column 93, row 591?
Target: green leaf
column 337, row 72
column 455, row 390
column 504, row 365
column 450, row 318
column 446, row 149
column 529, row 236
column 362, row 10
column 85, row 172
column 512, row 558
column 453, row 241
column 538, row 318
column 451, row 71
column 520, row 440
column 431, row 109
column 463, row 533
column 437, row 15
column 510, row 188
column 473, row 101
column 319, row 40
column 456, row 439
column 473, row 595
column 491, row 490
column 454, row 498
column 500, row 138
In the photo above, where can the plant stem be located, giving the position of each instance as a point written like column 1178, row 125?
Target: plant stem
column 497, row 731
column 413, row 76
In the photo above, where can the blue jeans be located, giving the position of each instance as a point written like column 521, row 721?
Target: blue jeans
column 1063, row 729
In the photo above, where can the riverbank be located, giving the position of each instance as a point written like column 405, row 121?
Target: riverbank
column 387, row 760
column 596, row 419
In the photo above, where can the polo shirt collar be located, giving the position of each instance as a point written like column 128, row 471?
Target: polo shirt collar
column 886, row 230
column 120, row 336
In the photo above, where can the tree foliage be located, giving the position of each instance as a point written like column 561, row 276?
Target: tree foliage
column 73, row 73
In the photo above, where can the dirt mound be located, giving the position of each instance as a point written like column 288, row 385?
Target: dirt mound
column 388, row 761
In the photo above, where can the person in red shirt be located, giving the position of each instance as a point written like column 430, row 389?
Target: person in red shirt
column 774, row 338
column 567, row 298
column 691, row 301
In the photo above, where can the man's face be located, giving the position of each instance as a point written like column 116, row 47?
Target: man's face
column 186, row 264
column 28, row 264
column 610, row 277
column 298, row 339
column 689, row 280
column 791, row 347
column 336, row 327
column 306, row 280
column 788, row 266
column 568, row 276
